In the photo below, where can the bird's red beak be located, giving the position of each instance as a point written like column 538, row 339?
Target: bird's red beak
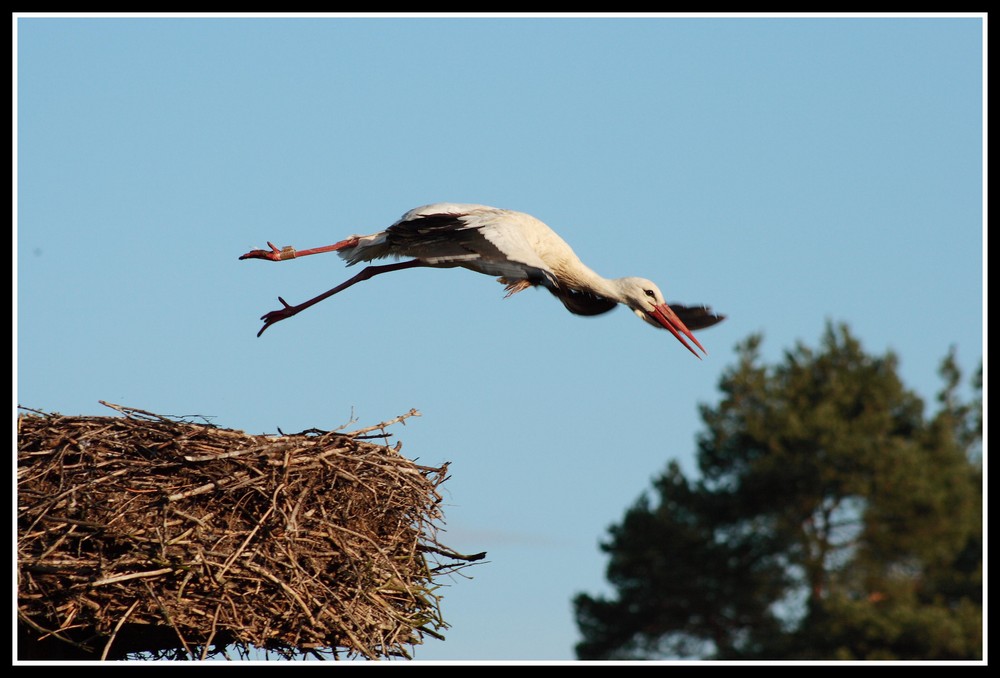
column 665, row 316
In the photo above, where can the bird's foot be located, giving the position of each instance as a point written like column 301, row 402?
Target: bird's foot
column 514, row 286
column 273, row 254
column 275, row 316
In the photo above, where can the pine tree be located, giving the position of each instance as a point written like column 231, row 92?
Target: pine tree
column 831, row 520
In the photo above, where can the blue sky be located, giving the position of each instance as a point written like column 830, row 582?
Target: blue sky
column 786, row 171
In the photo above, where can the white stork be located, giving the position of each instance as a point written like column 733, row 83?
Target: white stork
column 515, row 246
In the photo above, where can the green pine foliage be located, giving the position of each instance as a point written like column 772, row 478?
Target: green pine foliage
column 831, row 520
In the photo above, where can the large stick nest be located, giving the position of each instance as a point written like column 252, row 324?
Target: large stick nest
column 150, row 527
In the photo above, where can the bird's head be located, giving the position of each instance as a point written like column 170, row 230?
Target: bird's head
column 646, row 301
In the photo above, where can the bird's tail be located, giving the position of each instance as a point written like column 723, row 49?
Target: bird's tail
column 363, row 248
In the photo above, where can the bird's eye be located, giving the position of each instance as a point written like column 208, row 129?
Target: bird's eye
column 651, row 294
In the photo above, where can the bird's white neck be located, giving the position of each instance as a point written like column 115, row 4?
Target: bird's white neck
column 585, row 278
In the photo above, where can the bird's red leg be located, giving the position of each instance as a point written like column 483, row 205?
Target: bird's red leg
column 289, row 252
column 370, row 272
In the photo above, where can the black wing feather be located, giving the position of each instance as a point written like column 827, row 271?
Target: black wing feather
column 583, row 303
column 439, row 237
column 696, row 317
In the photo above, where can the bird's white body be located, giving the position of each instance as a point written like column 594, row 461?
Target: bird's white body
column 518, row 248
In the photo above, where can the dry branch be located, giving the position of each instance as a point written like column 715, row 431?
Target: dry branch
column 317, row 542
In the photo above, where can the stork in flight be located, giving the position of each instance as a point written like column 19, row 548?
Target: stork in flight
column 515, row 246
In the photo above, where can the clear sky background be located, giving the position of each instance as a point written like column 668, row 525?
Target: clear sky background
column 786, row 171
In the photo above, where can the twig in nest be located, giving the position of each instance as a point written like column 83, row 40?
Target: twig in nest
column 385, row 424
column 118, row 626
column 117, row 579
